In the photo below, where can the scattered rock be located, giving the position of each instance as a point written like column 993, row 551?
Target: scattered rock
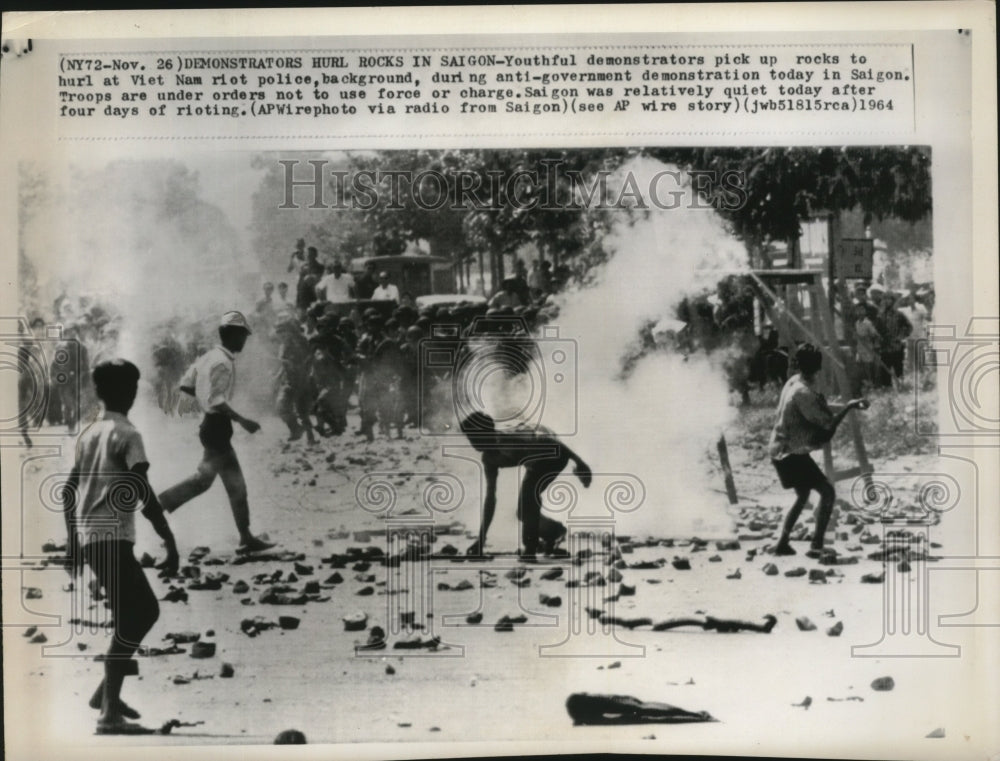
column 615, row 665
column 202, row 649
column 303, row 570
column 182, row 638
column 474, row 618
column 30, row 631
column 551, row 601
column 241, row 587
column 804, row 624
column 334, row 578
column 715, row 559
column 417, row 642
column 903, row 567
column 936, row 734
column 836, row 629
column 365, row 591
column 39, row 639
column 554, row 573
column 506, row 623
column 796, row 572
column 181, row 680
column 735, row 575
column 614, row 575
column 175, row 594
column 355, row 622
column 883, row 684
column 817, row 576
column 289, row 623
column 389, row 669
column 681, row 564
column 727, row 544
column 227, row 671
column 873, row 578
column 624, row 590
column 806, row 702
column 522, row 582
column 290, row 737
column 770, row 569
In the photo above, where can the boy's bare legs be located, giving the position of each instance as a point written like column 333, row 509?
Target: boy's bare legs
column 791, row 517
column 824, row 512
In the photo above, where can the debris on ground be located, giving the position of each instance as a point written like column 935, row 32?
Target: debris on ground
column 588, row 709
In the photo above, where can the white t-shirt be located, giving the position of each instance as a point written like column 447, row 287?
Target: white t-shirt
column 106, row 501
column 388, row 293
column 336, row 289
column 212, row 376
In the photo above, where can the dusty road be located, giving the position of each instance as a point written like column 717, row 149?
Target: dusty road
column 480, row 684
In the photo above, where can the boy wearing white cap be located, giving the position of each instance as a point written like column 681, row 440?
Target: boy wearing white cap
column 211, row 380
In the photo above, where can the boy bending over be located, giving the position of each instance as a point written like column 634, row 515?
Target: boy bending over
column 543, row 457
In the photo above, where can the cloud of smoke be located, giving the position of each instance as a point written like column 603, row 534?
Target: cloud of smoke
column 136, row 238
column 659, row 422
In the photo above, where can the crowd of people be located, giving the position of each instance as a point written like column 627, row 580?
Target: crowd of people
column 888, row 328
column 344, row 337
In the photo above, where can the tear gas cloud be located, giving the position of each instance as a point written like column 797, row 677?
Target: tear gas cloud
column 658, row 422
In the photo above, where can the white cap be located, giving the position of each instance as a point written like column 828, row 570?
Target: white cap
column 234, row 319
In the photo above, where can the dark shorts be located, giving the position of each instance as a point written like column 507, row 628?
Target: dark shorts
column 133, row 605
column 799, row 471
column 216, row 432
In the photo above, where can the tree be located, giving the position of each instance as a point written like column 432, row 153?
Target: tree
column 784, row 186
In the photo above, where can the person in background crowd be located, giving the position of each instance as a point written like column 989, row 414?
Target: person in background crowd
column 315, row 265
column 917, row 315
column 538, row 280
column 861, row 300
column 366, row 282
column 867, row 346
column 264, row 311
column 337, row 286
column 329, row 377
column 894, row 329
column 506, row 296
column 385, row 291
column 281, row 306
column 521, row 283
column 305, row 292
column 168, row 359
column 294, row 402
column 409, row 384
column 298, row 257
column 32, row 373
column 68, row 371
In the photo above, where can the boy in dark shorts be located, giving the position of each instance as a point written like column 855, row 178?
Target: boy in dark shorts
column 106, row 486
column 805, row 422
column 543, row 458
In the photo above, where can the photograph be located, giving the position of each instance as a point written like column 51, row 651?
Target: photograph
column 647, row 444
